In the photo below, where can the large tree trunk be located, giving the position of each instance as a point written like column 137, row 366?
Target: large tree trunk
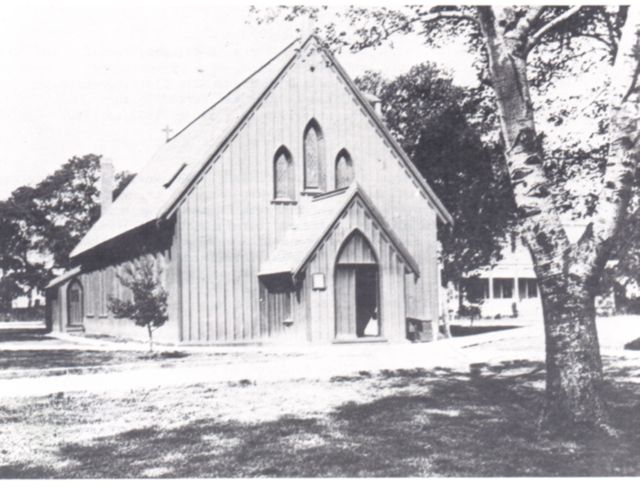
column 574, row 370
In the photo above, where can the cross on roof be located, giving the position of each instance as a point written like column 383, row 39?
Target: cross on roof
column 167, row 132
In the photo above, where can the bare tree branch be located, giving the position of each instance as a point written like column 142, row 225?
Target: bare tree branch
column 422, row 17
column 526, row 22
column 549, row 26
column 624, row 152
column 610, row 47
column 613, row 39
column 446, row 14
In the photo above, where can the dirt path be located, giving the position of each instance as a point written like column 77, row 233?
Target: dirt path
column 279, row 365
column 273, row 364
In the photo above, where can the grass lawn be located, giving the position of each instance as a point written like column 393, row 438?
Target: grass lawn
column 49, row 359
column 403, row 423
column 64, row 358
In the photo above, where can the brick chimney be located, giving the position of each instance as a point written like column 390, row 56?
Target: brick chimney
column 106, row 184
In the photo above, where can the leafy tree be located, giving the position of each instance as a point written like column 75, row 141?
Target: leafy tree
column 521, row 48
column 123, row 178
column 42, row 224
column 67, row 201
column 148, row 305
column 440, row 126
column 20, row 264
column 9, row 290
column 67, row 204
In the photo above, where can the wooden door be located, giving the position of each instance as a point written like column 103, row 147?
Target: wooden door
column 75, row 304
column 345, row 287
column 356, row 289
column 357, row 313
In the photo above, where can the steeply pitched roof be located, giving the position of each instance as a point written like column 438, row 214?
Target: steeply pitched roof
column 301, row 241
column 162, row 180
column 166, row 179
column 440, row 209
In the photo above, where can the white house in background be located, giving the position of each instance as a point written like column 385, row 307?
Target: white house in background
column 23, row 301
column 509, row 288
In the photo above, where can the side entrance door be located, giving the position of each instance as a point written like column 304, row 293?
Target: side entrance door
column 75, row 313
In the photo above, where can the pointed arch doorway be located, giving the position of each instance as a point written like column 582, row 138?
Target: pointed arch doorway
column 357, row 294
column 75, row 309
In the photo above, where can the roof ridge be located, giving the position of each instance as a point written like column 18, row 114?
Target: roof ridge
column 234, row 89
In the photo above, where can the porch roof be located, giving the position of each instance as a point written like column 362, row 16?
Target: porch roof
column 315, row 222
column 63, row 277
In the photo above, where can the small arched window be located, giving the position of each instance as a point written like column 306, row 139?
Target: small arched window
column 313, row 157
column 344, row 169
column 75, row 309
column 283, row 179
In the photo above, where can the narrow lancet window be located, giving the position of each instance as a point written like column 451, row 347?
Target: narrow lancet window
column 283, row 175
column 344, row 169
column 313, row 157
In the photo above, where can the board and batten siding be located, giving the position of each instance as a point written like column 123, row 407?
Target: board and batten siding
column 100, row 283
column 100, row 280
column 321, row 320
column 229, row 223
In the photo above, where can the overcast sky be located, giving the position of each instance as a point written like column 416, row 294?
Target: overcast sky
column 106, row 78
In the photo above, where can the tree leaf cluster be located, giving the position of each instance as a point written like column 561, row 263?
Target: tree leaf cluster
column 447, row 132
column 41, row 224
column 147, row 306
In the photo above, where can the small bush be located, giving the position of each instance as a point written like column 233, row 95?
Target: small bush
column 148, row 307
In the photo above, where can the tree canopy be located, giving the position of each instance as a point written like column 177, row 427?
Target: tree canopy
column 443, row 128
column 43, row 223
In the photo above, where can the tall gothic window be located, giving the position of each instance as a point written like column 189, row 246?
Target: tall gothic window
column 313, row 157
column 344, row 169
column 283, row 176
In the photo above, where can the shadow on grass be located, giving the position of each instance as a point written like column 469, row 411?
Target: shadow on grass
column 457, row 330
column 163, row 355
column 10, row 336
column 43, row 359
column 633, row 345
column 450, row 424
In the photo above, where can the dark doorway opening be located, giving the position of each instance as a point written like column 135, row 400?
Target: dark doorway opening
column 357, row 289
column 367, row 323
column 357, row 313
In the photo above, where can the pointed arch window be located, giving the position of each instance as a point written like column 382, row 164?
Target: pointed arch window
column 75, row 302
column 283, row 176
column 313, row 157
column 344, row 169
